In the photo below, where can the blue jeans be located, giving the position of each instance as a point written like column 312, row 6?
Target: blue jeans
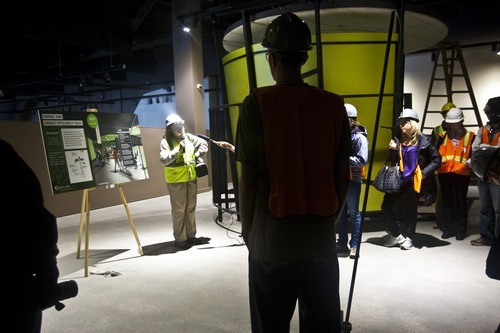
column 489, row 213
column 351, row 209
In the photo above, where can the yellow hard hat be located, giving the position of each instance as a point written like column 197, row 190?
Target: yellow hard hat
column 448, row 106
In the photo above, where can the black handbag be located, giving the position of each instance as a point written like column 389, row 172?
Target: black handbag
column 201, row 169
column 388, row 179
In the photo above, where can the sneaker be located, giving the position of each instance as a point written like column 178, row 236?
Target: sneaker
column 352, row 255
column 342, row 248
column 481, row 242
column 393, row 241
column 407, row 244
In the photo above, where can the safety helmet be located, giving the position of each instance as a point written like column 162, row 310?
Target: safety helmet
column 455, row 115
column 287, row 33
column 483, row 159
column 351, row 110
column 173, row 119
column 409, row 113
column 447, row 107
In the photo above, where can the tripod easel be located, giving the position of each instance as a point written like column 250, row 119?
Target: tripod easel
column 86, row 211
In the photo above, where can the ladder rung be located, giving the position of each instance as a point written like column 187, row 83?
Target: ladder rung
column 447, row 61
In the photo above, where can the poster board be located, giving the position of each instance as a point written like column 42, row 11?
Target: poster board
column 79, row 149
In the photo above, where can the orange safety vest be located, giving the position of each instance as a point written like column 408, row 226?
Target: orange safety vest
column 485, row 139
column 363, row 172
column 454, row 158
column 313, row 189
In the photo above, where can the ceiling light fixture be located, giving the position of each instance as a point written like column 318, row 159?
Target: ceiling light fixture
column 184, row 27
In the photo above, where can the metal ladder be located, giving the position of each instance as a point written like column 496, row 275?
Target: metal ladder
column 453, row 85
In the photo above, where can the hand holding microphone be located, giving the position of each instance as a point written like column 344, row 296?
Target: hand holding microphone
column 182, row 146
column 226, row 145
column 221, row 144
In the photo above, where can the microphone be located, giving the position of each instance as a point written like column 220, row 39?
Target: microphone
column 207, row 138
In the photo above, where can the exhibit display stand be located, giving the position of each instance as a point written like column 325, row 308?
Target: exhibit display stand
column 78, row 147
column 85, row 214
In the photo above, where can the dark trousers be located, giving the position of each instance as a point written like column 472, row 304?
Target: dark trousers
column 402, row 205
column 454, row 190
column 275, row 288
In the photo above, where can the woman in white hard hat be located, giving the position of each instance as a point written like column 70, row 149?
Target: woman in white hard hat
column 454, row 174
column 357, row 160
column 417, row 159
column 179, row 153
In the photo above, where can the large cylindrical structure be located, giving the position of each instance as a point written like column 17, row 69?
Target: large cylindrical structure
column 353, row 64
column 356, row 61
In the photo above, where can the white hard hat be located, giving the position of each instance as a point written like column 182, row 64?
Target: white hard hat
column 173, row 119
column 409, row 113
column 455, row 115
column 351, row 110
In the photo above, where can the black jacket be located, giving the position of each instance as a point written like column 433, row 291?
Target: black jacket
column 429, row 158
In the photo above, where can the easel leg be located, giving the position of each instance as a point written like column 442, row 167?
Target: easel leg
column 80, row 231
column 124, row 200
column 87, row 227
column 85, row 210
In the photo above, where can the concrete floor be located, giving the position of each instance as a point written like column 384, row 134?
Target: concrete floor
column 439, row 286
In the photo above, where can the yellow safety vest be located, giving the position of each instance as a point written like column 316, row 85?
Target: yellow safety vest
column 184, row 167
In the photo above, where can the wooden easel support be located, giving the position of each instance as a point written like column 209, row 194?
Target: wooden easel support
column 85, row 211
